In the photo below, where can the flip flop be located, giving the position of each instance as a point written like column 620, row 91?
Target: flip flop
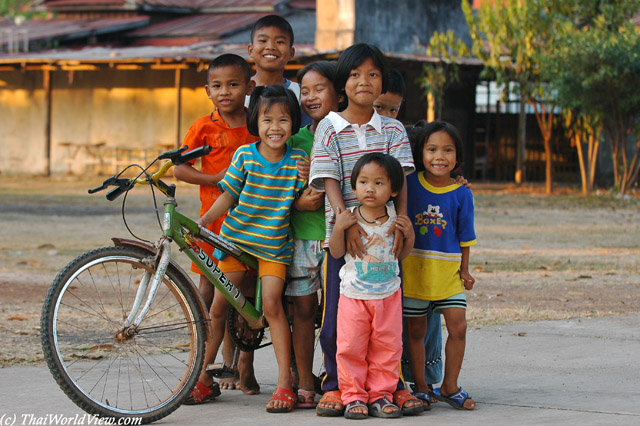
column 203, row 393
column 400, row 397
column 376, row 409
column 335, row 397
column 348, row 414
column 456, row 400
column 306, row 399
column 426, row 400
column 285, row 395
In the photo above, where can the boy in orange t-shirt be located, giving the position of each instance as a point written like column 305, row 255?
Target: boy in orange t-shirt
column 225, row 129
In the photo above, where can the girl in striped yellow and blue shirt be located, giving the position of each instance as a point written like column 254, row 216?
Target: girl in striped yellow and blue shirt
column 258, row 191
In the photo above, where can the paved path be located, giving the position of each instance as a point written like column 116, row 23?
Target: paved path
column 578, row 372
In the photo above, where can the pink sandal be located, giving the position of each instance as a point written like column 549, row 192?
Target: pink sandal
column 306, row 399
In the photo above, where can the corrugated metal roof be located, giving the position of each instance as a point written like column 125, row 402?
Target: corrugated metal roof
column 69, row 29
column 205, row 26
column 206, row 50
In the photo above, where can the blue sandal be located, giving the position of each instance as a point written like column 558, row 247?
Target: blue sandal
column 424, row 398
column 456, row 400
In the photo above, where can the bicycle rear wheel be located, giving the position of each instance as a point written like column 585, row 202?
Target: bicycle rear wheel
column 147, row 374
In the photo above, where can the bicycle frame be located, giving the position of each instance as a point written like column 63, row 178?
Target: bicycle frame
column 180, row 229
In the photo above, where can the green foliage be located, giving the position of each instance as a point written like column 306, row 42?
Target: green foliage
column 595, row 67
column 15, row 8
column 436, row 77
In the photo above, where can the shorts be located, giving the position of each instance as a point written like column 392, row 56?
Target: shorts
column 418, row 308
column 304, row 273
column 265, row 267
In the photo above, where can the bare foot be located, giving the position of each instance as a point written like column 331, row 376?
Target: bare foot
column 247, row 382
column 229, row 383
column 249, row 386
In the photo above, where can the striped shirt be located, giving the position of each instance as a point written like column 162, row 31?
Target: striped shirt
column 264, row 193
column 337, row 146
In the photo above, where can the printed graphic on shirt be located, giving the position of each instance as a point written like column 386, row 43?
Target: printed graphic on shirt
column 372, row 268
column 432, row 217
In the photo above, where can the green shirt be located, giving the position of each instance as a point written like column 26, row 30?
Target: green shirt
column 306, row 225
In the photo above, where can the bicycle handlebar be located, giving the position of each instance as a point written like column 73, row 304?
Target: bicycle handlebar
column 175, row 157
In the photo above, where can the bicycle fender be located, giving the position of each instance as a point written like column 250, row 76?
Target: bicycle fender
column 126, row 242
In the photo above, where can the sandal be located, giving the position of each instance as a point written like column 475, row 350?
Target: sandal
column 377, row 409
column 285, row 395
column 335, row 397
column 306, row 399
column 401, row 397
column 352, row 415
column 425, row 399
column 456, row 400
column 203, row 393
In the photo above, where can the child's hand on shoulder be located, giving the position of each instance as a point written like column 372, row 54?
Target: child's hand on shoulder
column 462, row 181
column 344, row 220
column 467, row 279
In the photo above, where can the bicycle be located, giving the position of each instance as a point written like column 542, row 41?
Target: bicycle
column 123, row 328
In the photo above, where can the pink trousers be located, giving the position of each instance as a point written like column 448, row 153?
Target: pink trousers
column 369, row 347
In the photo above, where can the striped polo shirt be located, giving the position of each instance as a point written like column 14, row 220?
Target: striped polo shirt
column 337, row 146
column 264, row 193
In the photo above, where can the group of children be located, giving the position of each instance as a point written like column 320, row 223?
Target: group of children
column 353, row 216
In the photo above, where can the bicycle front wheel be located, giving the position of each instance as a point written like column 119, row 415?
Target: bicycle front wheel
column 146, row 373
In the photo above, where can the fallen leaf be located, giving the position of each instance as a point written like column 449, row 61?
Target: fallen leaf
column 17, row 318
column 477, row 269
column 46, row 246
column 30, row 262
column 582, row 277
column 545, row 267
column 521, row 334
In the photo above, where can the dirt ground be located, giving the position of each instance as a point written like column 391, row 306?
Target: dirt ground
column 538, row 257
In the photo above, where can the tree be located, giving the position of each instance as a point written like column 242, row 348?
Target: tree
column 595, row 66
column 437, row 77
column 509, row 36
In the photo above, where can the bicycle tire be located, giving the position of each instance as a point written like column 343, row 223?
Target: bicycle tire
column 146, row 376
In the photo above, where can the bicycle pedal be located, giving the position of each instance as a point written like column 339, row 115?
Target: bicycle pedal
column 220, row 371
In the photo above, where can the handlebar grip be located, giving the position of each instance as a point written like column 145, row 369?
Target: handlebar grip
column 116, row 192
column 198, row 152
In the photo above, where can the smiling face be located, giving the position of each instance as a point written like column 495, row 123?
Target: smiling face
column 317, row 96
column 271, row 49
column 364, row 84
column 227, row 88
column 274, row 128
column 373, row 186
column 388, row 104
column 439, row 157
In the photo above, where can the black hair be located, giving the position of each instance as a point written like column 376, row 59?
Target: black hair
column 231, row 60
column 394, row 170
column 273, row 21
column 324, row 68
column 396, row 83
column 352, row 58
column 420, row 132
column 263, row 97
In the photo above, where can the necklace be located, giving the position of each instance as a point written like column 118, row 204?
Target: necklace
column 374, row 220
